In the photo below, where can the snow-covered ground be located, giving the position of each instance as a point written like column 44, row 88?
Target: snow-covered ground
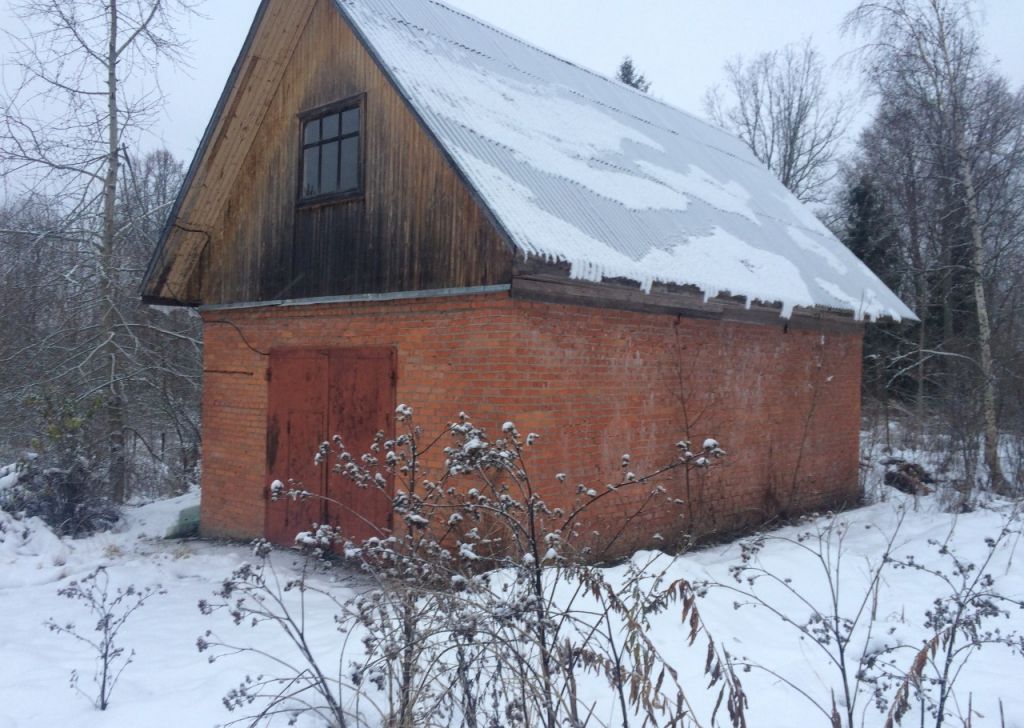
column 170, row 683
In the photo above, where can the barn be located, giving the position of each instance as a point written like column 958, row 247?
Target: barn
column 395, row 202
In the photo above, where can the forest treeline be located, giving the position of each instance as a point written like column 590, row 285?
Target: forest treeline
column 76, row 335
column 99, row 394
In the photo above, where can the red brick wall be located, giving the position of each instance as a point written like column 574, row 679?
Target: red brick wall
column 594, row 383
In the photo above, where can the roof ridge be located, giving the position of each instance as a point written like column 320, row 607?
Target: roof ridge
column 576, row 92
column 618, row 84
column 580, row 67
column 572, row 90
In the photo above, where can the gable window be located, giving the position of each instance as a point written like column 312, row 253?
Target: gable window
column 332, row 151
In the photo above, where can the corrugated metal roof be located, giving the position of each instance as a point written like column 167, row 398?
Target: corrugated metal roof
column 582, row 169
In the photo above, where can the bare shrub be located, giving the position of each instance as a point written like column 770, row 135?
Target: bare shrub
column 111, row 610
column 58, row 483
column 483, row 607
column 959, row 621
column 838, row 626
column 813, row 591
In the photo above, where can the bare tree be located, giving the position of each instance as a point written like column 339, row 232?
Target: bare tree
column 163, row 346
column 86, row 90
column 925, row 55
column 779, row 103
column 52, row 326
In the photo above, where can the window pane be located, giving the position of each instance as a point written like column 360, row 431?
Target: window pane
column 311, row 132
column 329, row 168
column 329, row 130
column 311, row 172
column 349, row 164
column 350, row 121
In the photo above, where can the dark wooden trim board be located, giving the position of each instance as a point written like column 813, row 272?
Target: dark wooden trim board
column 550, row 283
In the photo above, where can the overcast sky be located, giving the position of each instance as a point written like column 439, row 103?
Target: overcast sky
column 680, row 45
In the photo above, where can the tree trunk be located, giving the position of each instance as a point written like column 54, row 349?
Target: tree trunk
column 950, row 73
column 922, row 341
column 998, row 480
column 108, row 270
column 922, row 301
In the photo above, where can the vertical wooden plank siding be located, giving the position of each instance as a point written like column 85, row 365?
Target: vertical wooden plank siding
column 416, row 226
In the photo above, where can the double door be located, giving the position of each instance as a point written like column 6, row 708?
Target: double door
column 315, row 394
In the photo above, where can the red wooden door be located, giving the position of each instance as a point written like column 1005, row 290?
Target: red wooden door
column 295, row 428
column 314, row 394
column 362, row 402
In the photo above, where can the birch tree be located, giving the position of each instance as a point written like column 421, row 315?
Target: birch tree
column 86, row 89
column 925, row 55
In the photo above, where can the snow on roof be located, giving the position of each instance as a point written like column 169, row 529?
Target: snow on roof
column 584, row 170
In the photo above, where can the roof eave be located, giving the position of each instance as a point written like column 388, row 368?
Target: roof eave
column 162, row 254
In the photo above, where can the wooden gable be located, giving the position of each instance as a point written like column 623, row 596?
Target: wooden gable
column 238, row 233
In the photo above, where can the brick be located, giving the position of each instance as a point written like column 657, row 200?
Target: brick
column 594, row 383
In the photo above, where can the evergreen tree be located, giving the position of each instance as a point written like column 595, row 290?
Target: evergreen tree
column 869, row 232
column 628, row 75
column 868, row 229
